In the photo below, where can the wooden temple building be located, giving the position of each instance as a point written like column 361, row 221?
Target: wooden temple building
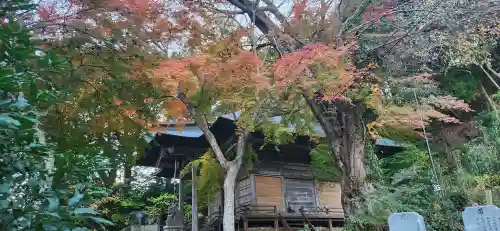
column 278, row 191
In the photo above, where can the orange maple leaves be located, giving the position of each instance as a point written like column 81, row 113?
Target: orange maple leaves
column 318, row 64
column 222, row 67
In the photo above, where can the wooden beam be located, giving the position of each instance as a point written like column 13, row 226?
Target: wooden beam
column 285, row 224
column 245, row 224
column 307, row 221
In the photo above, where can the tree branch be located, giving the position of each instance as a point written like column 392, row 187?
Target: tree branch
column 489, row 76
column 236, row 12
column 488, row 66
column 318, row 114
column 202, row 123
column 241, row 147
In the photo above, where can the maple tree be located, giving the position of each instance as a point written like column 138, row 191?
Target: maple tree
column 126, row 44
column 111, row 45
column 314, row 67
column 223, row 75
column 317, row 66
column 124, row 69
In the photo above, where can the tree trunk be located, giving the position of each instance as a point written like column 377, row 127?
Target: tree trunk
column 229, row 185
column 344, row 126
column 347, row 142
column 221, row 206
column 231, row 169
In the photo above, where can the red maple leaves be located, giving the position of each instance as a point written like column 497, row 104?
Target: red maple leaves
column 375, row 13
column 298, row 9
column 47, row 11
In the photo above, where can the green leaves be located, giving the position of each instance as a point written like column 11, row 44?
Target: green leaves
column 29, row 155
column 80, row 211
column 75, row 199
column 102, row 221
column 323, row 164
column 53, row 205
column 8, row 121
column 4, row 188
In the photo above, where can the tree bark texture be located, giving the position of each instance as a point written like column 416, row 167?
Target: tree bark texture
column 344, row 126
column 347, row 142
column 229, row 200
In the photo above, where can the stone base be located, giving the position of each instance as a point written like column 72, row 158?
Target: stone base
column 283, row 229
column 145, row 228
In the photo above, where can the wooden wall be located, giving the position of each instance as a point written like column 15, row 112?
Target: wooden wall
column 268, row 185
column 329, row 194
column 243, row 192
column 268, row 191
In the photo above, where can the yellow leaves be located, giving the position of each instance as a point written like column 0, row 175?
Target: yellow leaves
column 375, row 99
column 340, row 85
column 372, row 129
column 372, row 65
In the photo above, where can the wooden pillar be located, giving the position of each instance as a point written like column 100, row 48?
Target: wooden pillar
column 276, row 224
column 194, row 210
column 245, row 224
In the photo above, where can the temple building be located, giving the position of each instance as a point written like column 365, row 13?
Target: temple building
column 278, row 191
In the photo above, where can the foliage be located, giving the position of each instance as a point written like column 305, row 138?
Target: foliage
column 461, row 83
column 102, row 71
column 438, row 35
column 411, row 103
column 209, row 180
column 323, row 165
column 407, row 186
column 160, row 204
column 29, row 200
column 408, row 177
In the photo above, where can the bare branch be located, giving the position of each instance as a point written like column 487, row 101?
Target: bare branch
column 489, row 76
column 488, row 66
column 236, row 12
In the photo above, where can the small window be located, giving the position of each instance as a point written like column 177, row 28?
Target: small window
column 299, row 193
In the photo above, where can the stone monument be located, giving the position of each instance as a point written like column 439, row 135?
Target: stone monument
column 407, row 221
column 481, row 218
column 175, row 219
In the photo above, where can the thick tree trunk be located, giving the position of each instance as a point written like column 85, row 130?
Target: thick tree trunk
column 344, row 126
column 229, row 185
column 347, row 142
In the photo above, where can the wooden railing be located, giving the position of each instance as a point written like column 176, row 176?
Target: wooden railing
column 246, row 209
column 273, row 209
